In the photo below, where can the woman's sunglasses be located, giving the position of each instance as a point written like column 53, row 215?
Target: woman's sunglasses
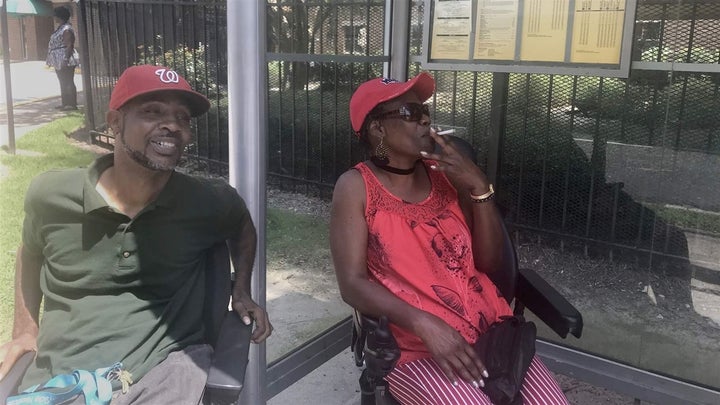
column 410, row 112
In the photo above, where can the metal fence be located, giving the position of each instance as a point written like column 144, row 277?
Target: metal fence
column 187, row 35
column 312, row 72
column 558, row 159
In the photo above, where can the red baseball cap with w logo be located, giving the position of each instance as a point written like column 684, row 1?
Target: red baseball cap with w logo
column 145, row 79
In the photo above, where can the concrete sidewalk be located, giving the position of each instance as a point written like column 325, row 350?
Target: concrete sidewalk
column 31, row 81
column 36, row 93
column 336, row 382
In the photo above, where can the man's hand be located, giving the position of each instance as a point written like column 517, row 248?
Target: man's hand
column 450, row 350
column 249, row 311
column 11, row 351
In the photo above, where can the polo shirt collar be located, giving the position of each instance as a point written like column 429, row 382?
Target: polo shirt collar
column 92, row 200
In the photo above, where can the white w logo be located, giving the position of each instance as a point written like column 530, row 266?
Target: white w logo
column 168, row 76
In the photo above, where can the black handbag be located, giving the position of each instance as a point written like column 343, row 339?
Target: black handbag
column 506, row 349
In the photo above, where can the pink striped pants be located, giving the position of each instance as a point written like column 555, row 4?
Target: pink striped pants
column 422, row 382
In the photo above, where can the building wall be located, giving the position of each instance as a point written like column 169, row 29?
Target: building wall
column 15, row 38
column 28, row 35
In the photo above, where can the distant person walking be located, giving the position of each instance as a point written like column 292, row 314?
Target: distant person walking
column 63, row 58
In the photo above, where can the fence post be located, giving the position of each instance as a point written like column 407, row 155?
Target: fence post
column 85, row 65
column 8, row 81
column 498, row 111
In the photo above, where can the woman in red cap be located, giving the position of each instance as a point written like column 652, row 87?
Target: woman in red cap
column 413, row 234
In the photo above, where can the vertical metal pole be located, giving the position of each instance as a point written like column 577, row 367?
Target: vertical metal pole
column 8, row 79
column 85, row 65
column 247, row 121
column 498, row 112
column 399, row 39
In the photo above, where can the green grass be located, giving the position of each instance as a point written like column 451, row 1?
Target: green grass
column 40, row 150
column 287, row 231
column 704, row 221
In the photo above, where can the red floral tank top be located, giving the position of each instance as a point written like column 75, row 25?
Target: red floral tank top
column 422, row 252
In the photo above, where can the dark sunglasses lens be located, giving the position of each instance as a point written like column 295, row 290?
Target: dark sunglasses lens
column 414, row 111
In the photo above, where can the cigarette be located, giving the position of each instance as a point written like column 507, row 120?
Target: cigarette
column 447, row 132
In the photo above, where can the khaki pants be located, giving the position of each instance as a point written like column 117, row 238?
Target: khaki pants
column 179, row 379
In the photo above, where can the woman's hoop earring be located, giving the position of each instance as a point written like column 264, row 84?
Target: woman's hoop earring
column 381, row 154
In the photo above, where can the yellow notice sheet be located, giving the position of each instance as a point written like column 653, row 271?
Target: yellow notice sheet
column 544, row 30
column 452, row 23
column 597, row 31
column 496, row 29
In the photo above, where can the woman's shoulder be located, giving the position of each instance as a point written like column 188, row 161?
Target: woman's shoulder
column 349, row 192
column 350, row 180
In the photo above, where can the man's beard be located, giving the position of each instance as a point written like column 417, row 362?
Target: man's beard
column 143, row 160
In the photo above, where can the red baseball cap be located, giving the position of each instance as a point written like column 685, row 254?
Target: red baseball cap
column 380, row 90
column 144, row 79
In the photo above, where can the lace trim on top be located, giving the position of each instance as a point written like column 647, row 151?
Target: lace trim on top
column 442, row 193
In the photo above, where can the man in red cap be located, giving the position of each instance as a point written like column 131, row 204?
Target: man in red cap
column 117, row 253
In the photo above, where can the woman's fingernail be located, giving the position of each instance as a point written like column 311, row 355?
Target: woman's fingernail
column 485, row 374
column 482, row 383
column 433, row 167
column 455, row 383
column 422, row 152
column 475, row 384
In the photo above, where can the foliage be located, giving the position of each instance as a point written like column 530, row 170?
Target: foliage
column 653, row 102
column 191, row 63
column 696, row 54
column 38, row 151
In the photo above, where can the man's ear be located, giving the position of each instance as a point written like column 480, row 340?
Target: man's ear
column 113, row 118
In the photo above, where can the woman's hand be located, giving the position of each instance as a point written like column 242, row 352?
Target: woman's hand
column 450, row 350
column 459, row 168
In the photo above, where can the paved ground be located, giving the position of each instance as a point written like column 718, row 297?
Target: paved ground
column 35, row 93
column 336, row 382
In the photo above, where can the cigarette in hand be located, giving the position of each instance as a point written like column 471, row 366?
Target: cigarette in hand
column 447, row 132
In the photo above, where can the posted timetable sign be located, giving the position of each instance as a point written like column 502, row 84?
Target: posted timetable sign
column 582, row 37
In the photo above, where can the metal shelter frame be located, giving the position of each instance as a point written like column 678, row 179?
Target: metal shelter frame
column 246, row 70
column 247, row 63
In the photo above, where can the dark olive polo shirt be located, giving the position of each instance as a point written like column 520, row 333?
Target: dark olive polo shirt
column 116, row 288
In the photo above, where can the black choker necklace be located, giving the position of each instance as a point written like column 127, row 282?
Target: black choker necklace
column 383, row 164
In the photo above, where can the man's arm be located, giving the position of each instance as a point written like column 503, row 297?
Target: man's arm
column 242, row 253
column 27, row 310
